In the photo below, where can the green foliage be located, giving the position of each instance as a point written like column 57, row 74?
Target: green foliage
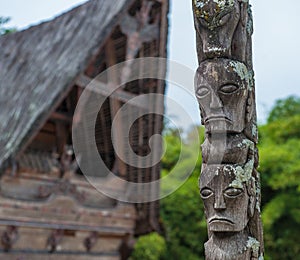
column 149, row 247
column 172, row 148
column 183, row 218
column 3, row 29
column 280, row 164
column 182, row 212
column 273, row 131
column 280, row 171
column 285, row 108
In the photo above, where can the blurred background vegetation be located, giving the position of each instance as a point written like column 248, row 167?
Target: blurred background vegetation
column 182, row 212
column 3, row 28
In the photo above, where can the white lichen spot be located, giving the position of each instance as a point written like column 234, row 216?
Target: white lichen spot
column 200, row 3
column 240, row 69
column 229, row 169
column 237, row 183
column 223, row 3
column 248, row 168
column 246, row 143
column 261, row 257
column 217, row 50
column 257, row 205
column 249, row 26
column 251, row 80
column 254, row 130
column 217, row 173
column 253, row 244
column 242, row 174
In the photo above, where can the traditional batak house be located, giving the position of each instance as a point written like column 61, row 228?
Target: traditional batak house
column 48, row 210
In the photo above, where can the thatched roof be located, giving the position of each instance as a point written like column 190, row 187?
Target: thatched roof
column 37, row 65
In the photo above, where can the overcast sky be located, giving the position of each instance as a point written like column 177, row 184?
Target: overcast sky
column 276, row 44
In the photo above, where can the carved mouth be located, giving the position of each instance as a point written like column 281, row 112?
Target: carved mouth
column 217, row 118
column 220, row 220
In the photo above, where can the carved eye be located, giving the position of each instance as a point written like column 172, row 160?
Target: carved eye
column 228, row 89
column 206, row 193
column 232, row 192
column 224, row 19
column 202, row 91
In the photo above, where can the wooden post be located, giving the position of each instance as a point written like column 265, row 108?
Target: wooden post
column 115, row 106
column 224, row 86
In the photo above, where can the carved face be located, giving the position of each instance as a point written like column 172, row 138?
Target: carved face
column 226, row 205
column 216, row 21
column 222, row 88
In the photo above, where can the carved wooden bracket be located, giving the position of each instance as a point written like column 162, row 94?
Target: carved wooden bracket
column 224, row 86
column 138, row 30
column 9, row 237
column 54, row 240
column 90, row 241
column 62, row 187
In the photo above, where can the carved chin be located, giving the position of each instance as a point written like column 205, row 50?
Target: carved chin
column 221, row 225
column 225, row 224
column 216, row 52
column 215, row 125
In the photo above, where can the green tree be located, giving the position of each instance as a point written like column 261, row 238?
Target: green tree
column 280, row 171
column 182, row 212
column 172, row 148
column 149, row 247
column 3, row 28
column 285, row 108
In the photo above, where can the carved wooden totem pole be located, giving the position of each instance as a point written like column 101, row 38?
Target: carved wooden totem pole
column 224, row 85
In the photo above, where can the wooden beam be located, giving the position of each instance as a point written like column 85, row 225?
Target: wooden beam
column 103, row 89
column 115, row 106
column 61, row 137
column 28, row 222
column 66, row 118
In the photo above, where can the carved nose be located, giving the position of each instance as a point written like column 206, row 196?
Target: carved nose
column 219, row 203
column 215, row 102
